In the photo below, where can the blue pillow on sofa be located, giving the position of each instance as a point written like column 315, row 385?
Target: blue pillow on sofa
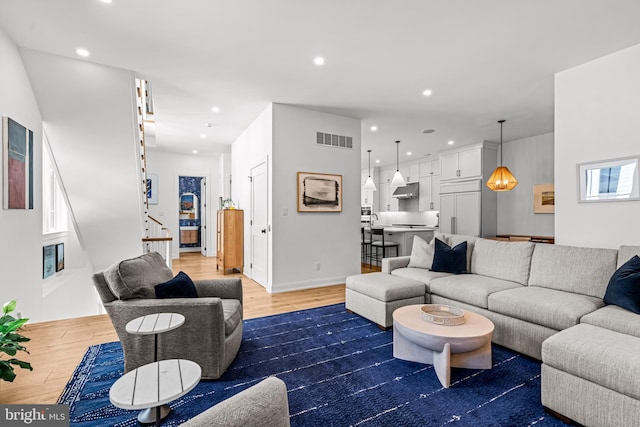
column 450, row 260
column 624, row 287
column 180, row 286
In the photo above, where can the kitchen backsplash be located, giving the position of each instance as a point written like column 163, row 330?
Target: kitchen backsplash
column 428, row 218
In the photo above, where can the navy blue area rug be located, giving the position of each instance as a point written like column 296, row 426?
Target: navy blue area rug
column 340, row 371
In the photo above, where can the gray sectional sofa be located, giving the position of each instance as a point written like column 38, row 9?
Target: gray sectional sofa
column 546, row 301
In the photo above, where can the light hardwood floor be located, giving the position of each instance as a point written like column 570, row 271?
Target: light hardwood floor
column 57, row 347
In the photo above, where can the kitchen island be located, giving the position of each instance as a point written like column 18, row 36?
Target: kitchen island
column 403, row 235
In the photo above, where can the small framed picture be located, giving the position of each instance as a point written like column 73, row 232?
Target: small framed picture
column 59, row 257
column 152, row 188
column 48, row 261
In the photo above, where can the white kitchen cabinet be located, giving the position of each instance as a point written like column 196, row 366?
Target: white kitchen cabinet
column 429, row 167
column 429, row 193
column 387, row 203
column 408, row 240
column 411, row 173
column 461, row 164
column 460, row 213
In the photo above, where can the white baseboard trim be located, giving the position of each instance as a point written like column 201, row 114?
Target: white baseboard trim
column 277, row 288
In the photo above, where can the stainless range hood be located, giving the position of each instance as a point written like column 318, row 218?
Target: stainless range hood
column 410, row 191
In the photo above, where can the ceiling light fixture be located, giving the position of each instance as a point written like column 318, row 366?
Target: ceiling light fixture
column 203, row 136
column 209, row 124
column 377, row 161
column 106, row 1
column 215, row 109
column 369, row 185
column 428, row 131
column 195, row 151
column 426, row 92
column 318, row 60
column 501, row 179
column 450, row 142
column 397, row 180
column 82, row 52
column 409, row 153
column 374, row 128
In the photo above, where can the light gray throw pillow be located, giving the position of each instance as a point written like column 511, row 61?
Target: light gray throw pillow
column 136, row 277
column 421, row 253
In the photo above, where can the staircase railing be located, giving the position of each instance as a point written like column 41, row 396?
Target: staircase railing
column 158, row 239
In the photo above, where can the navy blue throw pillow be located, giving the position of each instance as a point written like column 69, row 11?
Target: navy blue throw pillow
column 180, row 286
column 450, row 260
column 624, row 287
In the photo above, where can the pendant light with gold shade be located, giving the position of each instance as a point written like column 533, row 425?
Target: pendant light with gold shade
column 501, row 179
column 368, row 184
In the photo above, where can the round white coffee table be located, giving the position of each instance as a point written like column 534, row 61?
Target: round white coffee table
column 154, row 384
column 463, row 346
column 154, row 324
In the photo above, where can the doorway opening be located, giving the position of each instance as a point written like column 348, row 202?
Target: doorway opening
column 192, row 213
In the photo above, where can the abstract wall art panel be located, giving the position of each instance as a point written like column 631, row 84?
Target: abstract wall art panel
column 48, row 260
column 17, row 148
column 319, row 192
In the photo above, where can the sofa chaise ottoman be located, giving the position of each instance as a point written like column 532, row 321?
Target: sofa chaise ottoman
column 375, row 296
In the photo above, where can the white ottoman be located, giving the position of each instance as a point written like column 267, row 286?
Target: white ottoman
column 375, row 296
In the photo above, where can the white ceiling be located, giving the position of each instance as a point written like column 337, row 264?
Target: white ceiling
column 483, row 60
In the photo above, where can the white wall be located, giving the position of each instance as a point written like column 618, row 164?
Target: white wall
column 21, row 238
column 531, row 161
column 89, row 118
column 300, row 240
column 250, row 149
column 169, row 166
column 597, row 110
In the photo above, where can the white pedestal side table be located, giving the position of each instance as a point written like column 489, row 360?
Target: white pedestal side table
column 155, row 384
column 463, row 346
column 154, row 324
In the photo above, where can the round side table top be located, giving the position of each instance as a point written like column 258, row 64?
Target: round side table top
column 155, row 384
column 474, row 325
column 154, row 323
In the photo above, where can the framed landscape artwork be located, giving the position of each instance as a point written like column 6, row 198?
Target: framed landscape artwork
column 48, row 261
column 319, row 192
column 543, row 198
column 59, row 257
column 17, row 154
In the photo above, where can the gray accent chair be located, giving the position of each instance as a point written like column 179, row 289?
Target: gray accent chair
column 212, row 332
column 262, row 405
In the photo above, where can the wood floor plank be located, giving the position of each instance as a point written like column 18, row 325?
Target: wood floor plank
column 57, row 347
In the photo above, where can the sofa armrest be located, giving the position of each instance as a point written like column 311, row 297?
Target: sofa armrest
column 390, row 264
column 230, row 288
column 122, row 311
column 264, row 404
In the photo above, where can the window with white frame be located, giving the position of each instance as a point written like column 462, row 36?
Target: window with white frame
column 54, row 208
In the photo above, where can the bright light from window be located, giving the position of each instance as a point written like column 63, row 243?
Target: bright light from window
column 54, row 208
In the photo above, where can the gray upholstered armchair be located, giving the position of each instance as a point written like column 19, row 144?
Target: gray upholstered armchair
column 264, row 404
column 211, row 334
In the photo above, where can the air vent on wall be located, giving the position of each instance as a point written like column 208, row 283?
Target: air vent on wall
column 331, row 140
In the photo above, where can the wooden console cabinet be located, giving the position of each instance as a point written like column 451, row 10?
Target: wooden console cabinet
column 230, row 240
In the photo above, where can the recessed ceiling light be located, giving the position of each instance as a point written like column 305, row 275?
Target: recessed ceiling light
column 215, row 109
column 377, row 161
column 318, row 60
column 82, row 52
column 450, row 142
column 203, row 136
column 408, row 153
column 195, row 151
column 106, row 1
column 374, row 128
column 209, row 124
column 426, row 92
column 428, row 131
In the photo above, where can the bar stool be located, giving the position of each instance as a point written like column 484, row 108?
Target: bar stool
column 380, row 244
column 365, row 245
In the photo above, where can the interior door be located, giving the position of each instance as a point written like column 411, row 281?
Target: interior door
column 203, row 216
column 259, row 225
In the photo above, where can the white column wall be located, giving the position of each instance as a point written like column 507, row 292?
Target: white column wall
column 300, row 240
column 597, row 107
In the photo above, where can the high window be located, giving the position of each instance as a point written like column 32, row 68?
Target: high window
column 54, row 208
